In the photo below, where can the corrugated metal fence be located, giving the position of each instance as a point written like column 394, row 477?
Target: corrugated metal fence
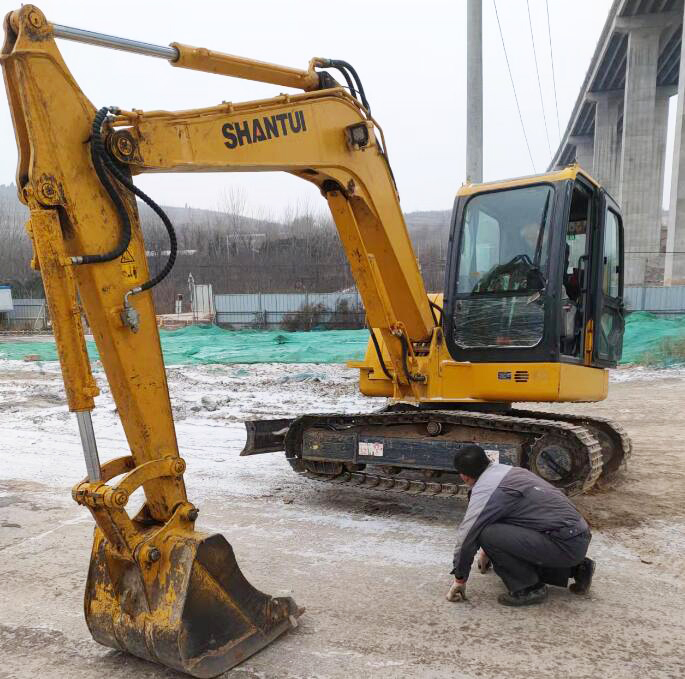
column 28, row 314
column 296, row 311
column 307, row 310
column 278, row 309
column 656, row 299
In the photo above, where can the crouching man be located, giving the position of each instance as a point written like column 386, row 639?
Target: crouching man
column 529, row 529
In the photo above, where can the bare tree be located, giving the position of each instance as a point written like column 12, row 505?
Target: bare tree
column 238, row 248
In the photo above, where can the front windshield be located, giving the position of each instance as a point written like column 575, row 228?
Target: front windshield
column 503, row 268
column 504, row 242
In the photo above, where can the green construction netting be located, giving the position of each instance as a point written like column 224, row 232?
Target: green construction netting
column 649, row 340
column 208, row 344
column 654, row 340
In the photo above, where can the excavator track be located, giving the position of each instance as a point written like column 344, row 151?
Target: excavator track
column 392, row 484
column 612, row 437
column 578, row 440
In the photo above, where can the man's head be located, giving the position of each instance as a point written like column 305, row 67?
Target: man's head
column 471, row 461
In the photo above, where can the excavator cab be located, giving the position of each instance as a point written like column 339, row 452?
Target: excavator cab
column 535, row 273
column 532, row 311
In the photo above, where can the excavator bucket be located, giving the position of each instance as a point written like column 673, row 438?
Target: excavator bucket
column 187, row 606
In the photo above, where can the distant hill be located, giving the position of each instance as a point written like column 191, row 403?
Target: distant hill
column 422, row 225
column 235, row 253
column 193, row 215
column 428, row 225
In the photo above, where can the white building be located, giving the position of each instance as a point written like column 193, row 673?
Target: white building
column 6, row 299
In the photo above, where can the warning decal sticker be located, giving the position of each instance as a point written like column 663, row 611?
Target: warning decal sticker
column 493, row 455
column 370, row 449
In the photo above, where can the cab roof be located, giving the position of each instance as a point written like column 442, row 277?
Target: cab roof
column 569, row 172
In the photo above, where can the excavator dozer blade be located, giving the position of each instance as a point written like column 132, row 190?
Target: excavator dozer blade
column 265, row 436
column 191, row 609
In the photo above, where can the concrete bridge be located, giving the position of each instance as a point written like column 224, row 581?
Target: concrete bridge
column 618, row 126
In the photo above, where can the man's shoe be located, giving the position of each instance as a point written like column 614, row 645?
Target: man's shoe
column 524, row 597
column 582, row 575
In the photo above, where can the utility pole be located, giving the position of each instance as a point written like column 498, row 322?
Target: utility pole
column 474, row 91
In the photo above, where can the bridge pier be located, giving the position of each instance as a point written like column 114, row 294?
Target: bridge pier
column 640, row 191
column 663, row 95
column 608, row 141
column 621, row 119
column 674, row 268
column 584, row 151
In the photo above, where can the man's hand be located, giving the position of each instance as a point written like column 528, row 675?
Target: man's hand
column 457, row 590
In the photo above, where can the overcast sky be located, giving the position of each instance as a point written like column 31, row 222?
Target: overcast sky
column 410, row 55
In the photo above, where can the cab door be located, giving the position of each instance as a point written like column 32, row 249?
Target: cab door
column 607, row 313
column 581, row 227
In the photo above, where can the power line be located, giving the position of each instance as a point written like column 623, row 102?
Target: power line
column 537, row 71
column 511, row 77
column 554, row 79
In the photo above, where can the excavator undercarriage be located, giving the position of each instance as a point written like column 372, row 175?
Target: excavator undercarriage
column 409, row 449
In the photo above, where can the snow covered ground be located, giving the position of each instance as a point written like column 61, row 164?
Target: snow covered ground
column 371, row 568
column 210, row 404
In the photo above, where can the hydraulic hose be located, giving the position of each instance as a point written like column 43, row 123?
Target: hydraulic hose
column 340, row 64
column 102, row 160
column 412, row 377
column 97, row 154
column 379, row 353
column 435, row 307
column 346, row 69
column 348, row 80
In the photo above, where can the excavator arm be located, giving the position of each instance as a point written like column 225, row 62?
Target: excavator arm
column 157, row 587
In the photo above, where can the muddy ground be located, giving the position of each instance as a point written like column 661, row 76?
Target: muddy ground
column 370, row 568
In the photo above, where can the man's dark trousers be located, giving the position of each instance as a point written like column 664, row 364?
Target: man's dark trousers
column 522, row 557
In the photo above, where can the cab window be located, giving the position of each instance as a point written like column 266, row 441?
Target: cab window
column 503, row 268
column 504, row 241
column 611, row 262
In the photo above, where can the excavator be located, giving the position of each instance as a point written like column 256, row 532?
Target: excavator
column 531, row 312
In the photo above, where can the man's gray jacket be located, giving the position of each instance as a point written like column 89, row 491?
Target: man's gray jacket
column 513, row 495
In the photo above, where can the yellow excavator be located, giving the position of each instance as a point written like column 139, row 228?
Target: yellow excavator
column 532, row 311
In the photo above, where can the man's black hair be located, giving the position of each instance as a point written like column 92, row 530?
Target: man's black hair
column 471, row 460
